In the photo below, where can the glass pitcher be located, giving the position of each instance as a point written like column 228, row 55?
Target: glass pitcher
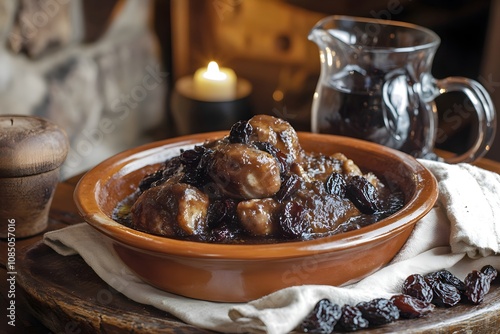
column 375, row 84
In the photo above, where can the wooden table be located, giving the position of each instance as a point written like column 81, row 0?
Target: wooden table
column 129, row 314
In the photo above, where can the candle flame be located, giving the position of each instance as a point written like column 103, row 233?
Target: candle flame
column 213, row 72
column 213, row 67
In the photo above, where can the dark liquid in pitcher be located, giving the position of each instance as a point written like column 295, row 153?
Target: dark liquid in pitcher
column 363, row 115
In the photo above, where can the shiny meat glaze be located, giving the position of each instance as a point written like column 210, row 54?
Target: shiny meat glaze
column 257, row 185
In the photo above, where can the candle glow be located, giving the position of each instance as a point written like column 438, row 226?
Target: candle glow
column 214, row 84
column 213, row 72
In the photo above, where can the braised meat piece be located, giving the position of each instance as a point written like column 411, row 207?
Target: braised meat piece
column 171, row 209
column 277, row 132
column 324, row 212
column 243, row 172
column 318, row 167
column 258, row 216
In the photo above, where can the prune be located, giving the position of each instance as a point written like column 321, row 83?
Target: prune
column 322, row 319
column 416, row 286
column 289, row 186
column 362, row 194
column 379, row 311
column 445, row 295
column 195, row 163
column 190, row 160
column 477, row 286
column 489, row 271
column 223, row 234
column 149, row 180
column 290, row 220
column 335, row 184
column 240, row 132
column 411, row 307
column 448, row 278
column 171, row 166
column 351, row 319
column 221, row 211
column 275, row 152
column 192, row 157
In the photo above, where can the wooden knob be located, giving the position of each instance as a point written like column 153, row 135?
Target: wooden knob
column 32, row 151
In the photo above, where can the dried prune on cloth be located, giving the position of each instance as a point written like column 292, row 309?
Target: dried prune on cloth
column 459, row 234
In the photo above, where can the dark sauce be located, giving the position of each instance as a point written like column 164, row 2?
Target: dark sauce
column 392, row 199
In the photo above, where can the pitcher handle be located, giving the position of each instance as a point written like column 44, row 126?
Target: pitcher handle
column 484, row 108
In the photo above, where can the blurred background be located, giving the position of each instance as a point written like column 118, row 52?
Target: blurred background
column 105, row 70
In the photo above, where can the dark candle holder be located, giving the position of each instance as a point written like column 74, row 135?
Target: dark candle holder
column 192, row 115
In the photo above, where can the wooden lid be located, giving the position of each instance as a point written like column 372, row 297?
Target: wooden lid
column 30, row 145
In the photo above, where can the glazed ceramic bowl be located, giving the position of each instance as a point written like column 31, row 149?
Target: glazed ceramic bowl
column 236, row 273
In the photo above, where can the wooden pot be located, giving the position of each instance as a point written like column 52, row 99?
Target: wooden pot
column 32, row 150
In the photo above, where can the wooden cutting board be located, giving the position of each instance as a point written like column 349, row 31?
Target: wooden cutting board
column 68, row 297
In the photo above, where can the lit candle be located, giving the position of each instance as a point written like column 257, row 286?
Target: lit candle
column 214, row 83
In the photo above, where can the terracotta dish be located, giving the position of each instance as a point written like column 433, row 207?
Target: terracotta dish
column 237, row 273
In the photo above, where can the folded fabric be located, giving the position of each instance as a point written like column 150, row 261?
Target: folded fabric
column 454, row 235
column 471, row 198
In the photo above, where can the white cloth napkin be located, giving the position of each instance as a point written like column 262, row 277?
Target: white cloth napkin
column 461, row 233
column 470, row 197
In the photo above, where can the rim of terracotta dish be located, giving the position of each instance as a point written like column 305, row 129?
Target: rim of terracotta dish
column 418, row 206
